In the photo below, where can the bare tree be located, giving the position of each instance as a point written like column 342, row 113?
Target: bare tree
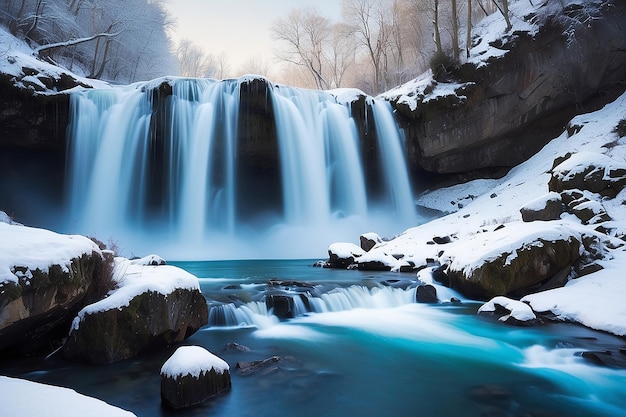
column 370, row 24
column 192, row 61
column 305, row 32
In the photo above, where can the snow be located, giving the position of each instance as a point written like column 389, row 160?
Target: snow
column 345, row 250
column 34, row 248
column 133, row 279
column 540, row 202
column 192, row 360
column 488, row 204
column 596, row 300
column 347, row 95
column 518, row 310
column 16, row 55
column 31, row 399
column 471, row 252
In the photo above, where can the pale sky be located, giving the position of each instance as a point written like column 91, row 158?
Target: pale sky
column 240, row 28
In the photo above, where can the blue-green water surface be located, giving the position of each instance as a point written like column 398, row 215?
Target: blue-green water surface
column 390, row 357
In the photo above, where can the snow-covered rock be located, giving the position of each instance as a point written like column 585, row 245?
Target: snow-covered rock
column 343, row 254
column 519, row 313
column 44, row 278
column 152, row 306
column 31, row 399
column 513, row 259
column 546, row 207
column 191, row 376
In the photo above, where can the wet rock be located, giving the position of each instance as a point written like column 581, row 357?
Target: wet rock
column 191, row 376
column 236, row 347
column 426, row 294
column 613, row 358
column 253, row 367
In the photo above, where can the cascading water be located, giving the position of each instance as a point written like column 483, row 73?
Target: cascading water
column 157, row 167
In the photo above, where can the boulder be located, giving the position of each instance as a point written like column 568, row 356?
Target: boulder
column 342, row 255
column 547, row 207
column 512, row 261
column 516, row 313
column 44, row 279
column 591, row 171
column 369, row 240
column 155, row 306
column 191, row 376
column 426, row 294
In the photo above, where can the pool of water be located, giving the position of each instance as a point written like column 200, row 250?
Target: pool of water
column 385, row 357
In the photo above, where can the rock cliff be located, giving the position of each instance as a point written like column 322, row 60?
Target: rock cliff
column 507, row 107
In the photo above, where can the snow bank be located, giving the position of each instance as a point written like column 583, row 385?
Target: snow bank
column 596, row 300
column 488, row 204
column 38, row 249
column 31, row 399
column 192, row 360
column 134, row 279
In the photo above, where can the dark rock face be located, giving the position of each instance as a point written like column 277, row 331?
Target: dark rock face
column 34, row 309
column 522, row 100
column 534, row 265
column 149, row 321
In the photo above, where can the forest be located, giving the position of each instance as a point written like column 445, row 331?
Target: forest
column 376, row 45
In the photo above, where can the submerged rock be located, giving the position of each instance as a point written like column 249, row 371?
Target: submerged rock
column 191, row 376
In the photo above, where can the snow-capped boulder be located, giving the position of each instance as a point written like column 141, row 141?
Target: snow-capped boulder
column 546, row 207
column 153, row 306
column 191, row 376
column 518, row 313
column 591, row 171
column 513, row 260
column 342, row 255
column 44, row 278
column 369, row 240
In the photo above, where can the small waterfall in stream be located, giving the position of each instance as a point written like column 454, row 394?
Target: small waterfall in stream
column 205, row 169
column 259, row 314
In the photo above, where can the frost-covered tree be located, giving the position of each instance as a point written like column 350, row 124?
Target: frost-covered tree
column 118, row 40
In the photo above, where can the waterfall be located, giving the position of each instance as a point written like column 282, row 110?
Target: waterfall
column 158, row 167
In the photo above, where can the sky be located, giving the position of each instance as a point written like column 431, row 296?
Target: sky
column 239, row 28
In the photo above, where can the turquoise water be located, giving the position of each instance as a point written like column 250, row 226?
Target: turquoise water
column 391, row 357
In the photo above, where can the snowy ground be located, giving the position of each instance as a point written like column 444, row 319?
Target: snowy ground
column 31, row 399
column 595, row 300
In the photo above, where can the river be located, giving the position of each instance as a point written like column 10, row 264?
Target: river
column 376, row 353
